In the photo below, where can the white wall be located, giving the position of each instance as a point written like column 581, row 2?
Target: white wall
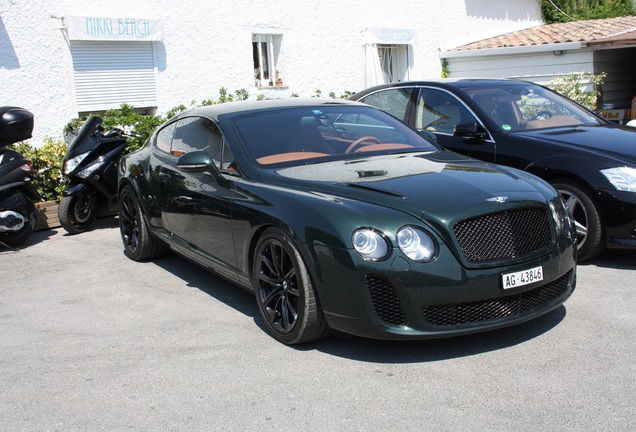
column 207, row 45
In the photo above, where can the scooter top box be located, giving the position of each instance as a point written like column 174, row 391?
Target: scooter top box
column 16, row 124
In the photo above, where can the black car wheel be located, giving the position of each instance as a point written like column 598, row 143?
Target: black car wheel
column 587, row 218
column 284, row 292
column 77, row 212
column 139, row 244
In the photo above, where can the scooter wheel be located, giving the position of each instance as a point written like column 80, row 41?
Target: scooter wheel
column 15, row 238
column 77, row 213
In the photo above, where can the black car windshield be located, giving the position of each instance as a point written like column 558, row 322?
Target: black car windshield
column 305, row 135
column 528, row 106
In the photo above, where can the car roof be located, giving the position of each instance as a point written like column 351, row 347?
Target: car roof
column 444, row 82
column 240, row 107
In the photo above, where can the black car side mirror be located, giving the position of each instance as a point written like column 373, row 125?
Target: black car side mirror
column 471, row 130
column 197, row 161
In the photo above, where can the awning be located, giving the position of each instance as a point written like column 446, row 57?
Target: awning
column 389, row 36
column 113, row 28
column 374, row 36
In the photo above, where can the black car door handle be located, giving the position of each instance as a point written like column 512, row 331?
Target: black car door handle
column 182, row 199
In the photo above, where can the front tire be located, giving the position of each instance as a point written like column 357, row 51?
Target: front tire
column 284, row 292
column 139, row 244
column 15, row 238
column 77, row 212
column 587, row 218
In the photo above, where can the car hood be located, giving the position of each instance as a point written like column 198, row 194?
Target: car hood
column 416, row 182
column 617, row 141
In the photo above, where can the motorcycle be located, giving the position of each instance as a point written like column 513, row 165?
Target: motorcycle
column 90, row 164
column 17, row 212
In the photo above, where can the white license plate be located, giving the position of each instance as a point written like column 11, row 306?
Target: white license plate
column 524, row 277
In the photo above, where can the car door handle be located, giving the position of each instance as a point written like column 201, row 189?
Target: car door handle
column 163, row 178
column 182, row 199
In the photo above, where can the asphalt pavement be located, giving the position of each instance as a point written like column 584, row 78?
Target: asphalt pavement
column 91, row 341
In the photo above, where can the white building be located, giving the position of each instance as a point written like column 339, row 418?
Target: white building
column 64, row 58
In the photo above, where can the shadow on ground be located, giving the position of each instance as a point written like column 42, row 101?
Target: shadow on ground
column 618, row 259
column 361, row 349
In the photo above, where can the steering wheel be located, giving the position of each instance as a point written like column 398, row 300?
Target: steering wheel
column 362, row 141
column 541, row 114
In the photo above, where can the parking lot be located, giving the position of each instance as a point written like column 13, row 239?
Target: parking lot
column 90, row 340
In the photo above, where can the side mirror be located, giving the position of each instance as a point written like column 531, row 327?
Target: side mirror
column 471, row 130
column 197, row 161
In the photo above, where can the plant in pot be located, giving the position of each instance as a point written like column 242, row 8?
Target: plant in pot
column 47, row 179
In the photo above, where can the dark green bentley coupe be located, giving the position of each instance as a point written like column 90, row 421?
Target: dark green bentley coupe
column 340, row 217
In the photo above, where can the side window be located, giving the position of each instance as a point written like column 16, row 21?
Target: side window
column 163, row 140
column 394, row 101
column 196, row 133
column 439, row 111
column 225, row 160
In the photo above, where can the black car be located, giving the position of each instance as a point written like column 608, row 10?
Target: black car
column 339, row 216
column 589, row 160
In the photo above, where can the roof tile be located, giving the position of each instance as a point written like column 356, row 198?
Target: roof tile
column 589, row 31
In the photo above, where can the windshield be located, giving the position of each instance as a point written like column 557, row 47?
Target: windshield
column 528, row 106
column 305, row 135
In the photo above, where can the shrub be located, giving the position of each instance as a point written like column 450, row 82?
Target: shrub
column 139, row 126
column 47, row 167
column 575, row 86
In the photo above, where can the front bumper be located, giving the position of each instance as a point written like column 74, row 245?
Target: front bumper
column 439, row 299
column 619, row 215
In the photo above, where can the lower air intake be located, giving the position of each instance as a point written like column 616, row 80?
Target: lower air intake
column 501, row 307
column 385, row 300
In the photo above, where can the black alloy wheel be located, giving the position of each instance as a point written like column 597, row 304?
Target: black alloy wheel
column 139, row 244
column 586, row 217
column 77, row 212
column 284, row 291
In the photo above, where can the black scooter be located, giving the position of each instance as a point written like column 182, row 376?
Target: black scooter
column 17, row 212
column 91, row 167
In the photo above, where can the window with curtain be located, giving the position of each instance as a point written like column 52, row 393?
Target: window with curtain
column 265, row 53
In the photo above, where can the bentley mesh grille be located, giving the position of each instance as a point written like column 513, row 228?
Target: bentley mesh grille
column 486, row 310
column 503, row 235
column 385, row 300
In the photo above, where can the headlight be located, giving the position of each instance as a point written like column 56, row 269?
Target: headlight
column 71, row 164
column 417, row 244
column 561, row 216
column 622, row 178
column 370, row 244
column 86, row 172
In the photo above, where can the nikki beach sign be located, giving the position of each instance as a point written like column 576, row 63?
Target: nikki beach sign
column 113, row 28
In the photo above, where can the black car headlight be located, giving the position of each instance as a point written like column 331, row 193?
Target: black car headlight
column 622, row 178
column 370, row 244
column 417, row 244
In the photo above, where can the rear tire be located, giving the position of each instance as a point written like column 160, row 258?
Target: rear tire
column 284, row 292
column 139, row 244
column 15, row 238
column 77, row 212
column 590, row 233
